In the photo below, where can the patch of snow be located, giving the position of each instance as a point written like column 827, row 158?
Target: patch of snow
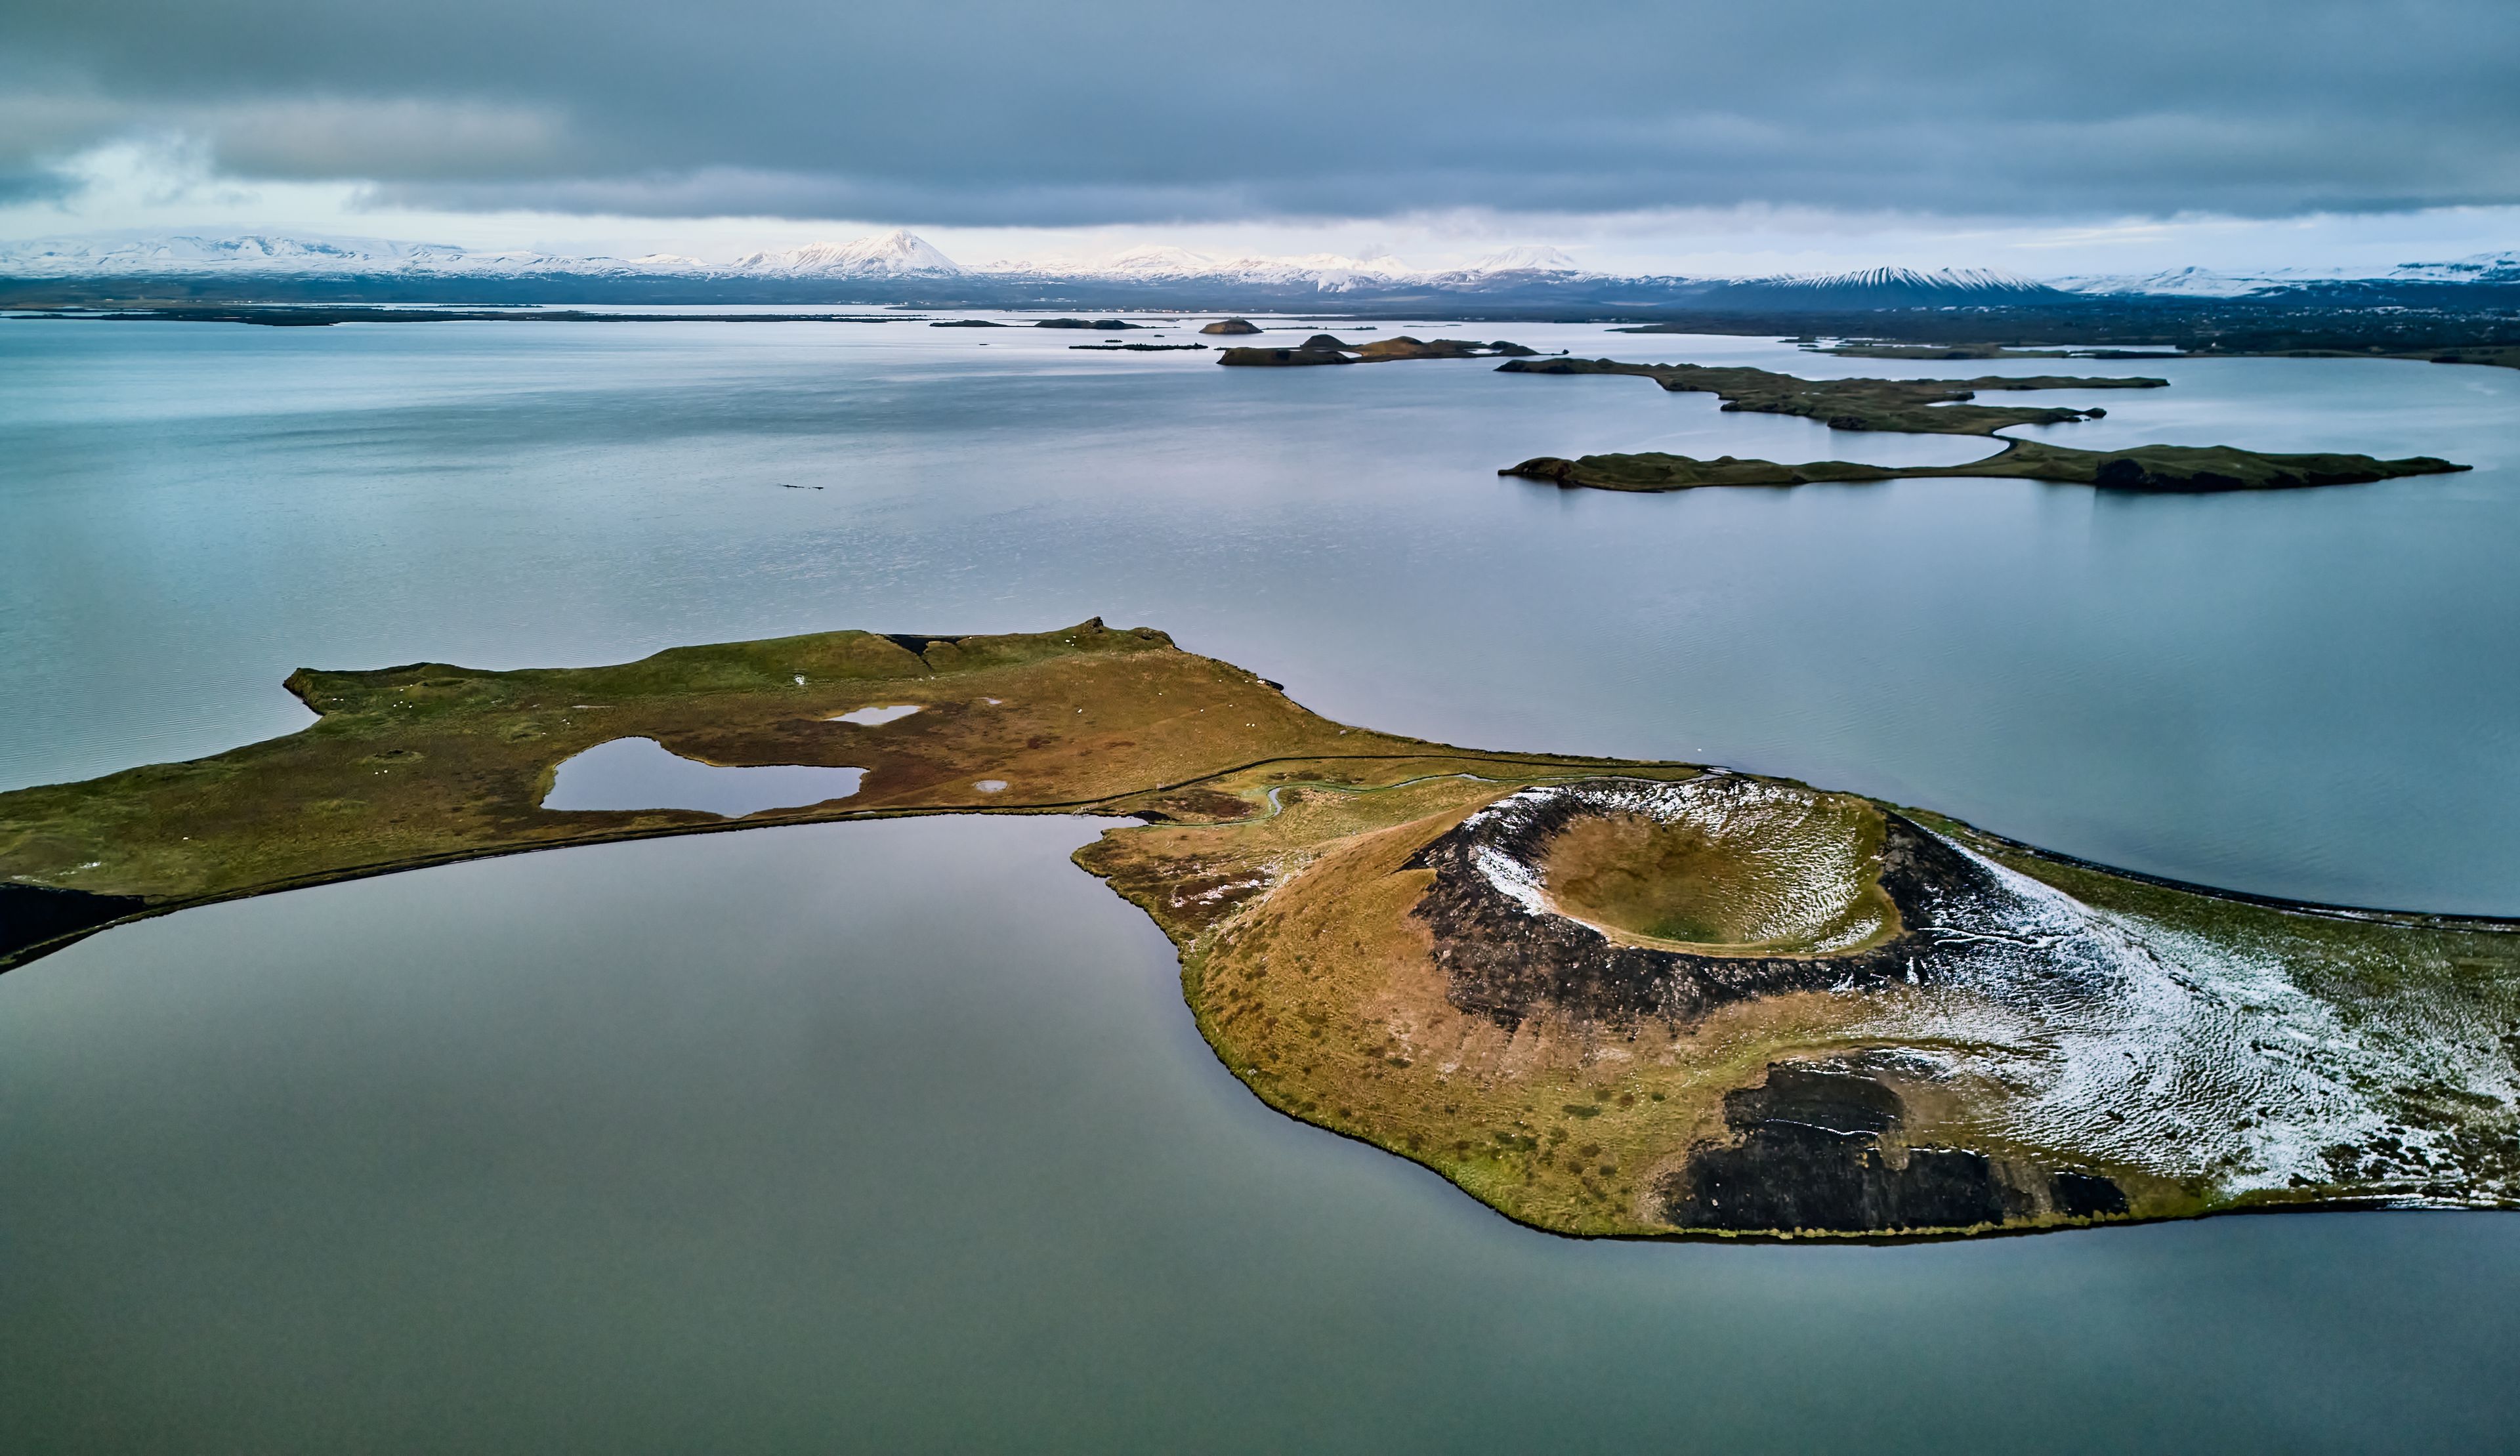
column 2126, row 1041
column 1758, row 817
column 2109, row 1036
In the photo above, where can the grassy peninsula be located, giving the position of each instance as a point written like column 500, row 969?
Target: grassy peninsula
column 1603, row 998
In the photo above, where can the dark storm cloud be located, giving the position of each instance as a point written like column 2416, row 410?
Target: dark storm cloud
column 36, row 185
column 982, row 112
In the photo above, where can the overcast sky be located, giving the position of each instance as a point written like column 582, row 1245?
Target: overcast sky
column 1693, row 137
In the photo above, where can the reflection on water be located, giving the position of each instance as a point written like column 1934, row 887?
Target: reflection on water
column 641, row 774
column 897, row 1136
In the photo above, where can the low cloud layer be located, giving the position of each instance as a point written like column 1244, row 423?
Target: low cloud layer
column 986, row 113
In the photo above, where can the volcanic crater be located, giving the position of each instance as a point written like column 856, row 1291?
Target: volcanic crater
column 1609, row 899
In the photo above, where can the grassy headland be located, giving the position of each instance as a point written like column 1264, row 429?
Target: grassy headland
column 1603, row 998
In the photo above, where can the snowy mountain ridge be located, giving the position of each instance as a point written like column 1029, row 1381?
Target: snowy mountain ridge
column 180, row 253
column 2501, row 267
column 1163, row 263
column 1958, row 280
column 902, row 256
column 900, row 253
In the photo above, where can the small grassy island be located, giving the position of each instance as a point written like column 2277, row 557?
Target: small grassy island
column 1936, row 407
column 1606, row 998
column 2166, row 468
column 1325, row 348
column 1916, row 407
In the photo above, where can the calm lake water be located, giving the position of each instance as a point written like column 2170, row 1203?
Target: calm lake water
column 887, row 1136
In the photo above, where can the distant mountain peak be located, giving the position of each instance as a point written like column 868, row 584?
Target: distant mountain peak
column 1527, row 258
column 1929, row 280
column 1166, row 263
column 899, row 253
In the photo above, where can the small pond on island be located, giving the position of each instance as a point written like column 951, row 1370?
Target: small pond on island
column 642, row 774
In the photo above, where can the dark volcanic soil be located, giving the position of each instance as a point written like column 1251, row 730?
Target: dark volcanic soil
column 1507, row 963
column 1817, row 1149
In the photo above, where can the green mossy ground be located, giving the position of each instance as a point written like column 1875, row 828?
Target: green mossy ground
column 426, row 762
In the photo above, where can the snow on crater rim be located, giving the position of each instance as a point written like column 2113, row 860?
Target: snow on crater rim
column 2101, row 1033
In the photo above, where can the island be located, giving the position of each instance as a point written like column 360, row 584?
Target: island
column 2154, row 468
column 1102, row 325
column 1943, row 407
column 1325, row 348
column 1232, row 325
column 1919, row 406
column 1615, row 999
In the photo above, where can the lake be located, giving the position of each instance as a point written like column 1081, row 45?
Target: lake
column 896, row 1135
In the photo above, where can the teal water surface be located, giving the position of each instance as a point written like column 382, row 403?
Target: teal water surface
column 896, row 1137
column 2306, row 695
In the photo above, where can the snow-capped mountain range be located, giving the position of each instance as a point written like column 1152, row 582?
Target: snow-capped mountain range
column 171, row 254
column 2498, row 268
column 1328, row 272
column 904, row 263
column 1963, row 280
column 894, row 254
